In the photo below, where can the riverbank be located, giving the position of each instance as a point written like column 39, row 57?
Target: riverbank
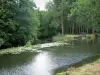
column 70, row 37
column 86, row 69
column 15, row 50
column 34, row 48
column 59, row 41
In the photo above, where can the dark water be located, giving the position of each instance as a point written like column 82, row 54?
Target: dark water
column 46, row 62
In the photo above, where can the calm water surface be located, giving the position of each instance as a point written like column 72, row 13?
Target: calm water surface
column 47, row 61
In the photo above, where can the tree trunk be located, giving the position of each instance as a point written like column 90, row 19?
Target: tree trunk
column 79, row 29
column 70, row 28
column 62, row 25
column 73, row 28
column 87, row 30
column 93, row 31
column 93, row 34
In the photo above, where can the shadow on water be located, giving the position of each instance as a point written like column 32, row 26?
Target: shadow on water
column 18, row 59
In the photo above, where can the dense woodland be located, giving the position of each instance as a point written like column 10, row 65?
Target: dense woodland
column 21, row 21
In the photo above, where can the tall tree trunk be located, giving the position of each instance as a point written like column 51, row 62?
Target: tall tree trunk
column 73, row 28
column 93, row 30
column 70, row 28
column 79, row 29
column 87, row 30
column 62, row 25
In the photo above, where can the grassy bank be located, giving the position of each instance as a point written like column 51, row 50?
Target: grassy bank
column 69, row 37
column 15, row 50
column 30, row 48
column 92, row 68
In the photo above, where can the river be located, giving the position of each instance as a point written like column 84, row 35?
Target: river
column 46, row 61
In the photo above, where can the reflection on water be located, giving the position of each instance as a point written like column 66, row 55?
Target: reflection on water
column 46, row 62
column 42, row 64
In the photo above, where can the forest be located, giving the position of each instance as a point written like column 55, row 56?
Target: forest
column 22, row 22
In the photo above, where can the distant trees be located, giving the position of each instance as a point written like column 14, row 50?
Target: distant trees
column 77, row 16
column 61, row 9
column 48, row 22
column 87, row 15
column 69, row 17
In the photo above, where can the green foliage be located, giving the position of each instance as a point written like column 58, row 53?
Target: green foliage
column 87, row 14
column 49, row 24
column 28, row 44
column 18, row 21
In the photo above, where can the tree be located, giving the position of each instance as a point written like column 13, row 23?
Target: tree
column 86, row 15
column 18, row 22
